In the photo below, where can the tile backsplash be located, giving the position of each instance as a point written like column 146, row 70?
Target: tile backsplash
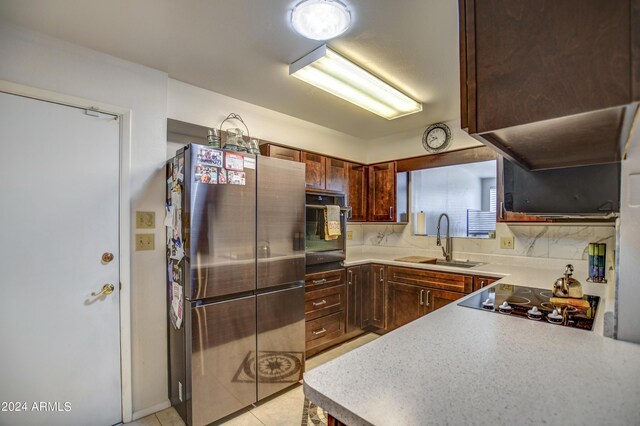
column 555, row 241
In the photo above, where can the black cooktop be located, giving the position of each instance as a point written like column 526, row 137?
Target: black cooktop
column 535, row 304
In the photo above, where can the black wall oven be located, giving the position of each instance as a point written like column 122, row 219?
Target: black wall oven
column 320, row 251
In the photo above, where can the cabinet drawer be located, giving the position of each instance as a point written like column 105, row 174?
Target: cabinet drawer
column 324, row 329
column 325, row 301
column 481, row 282
column 439, row 280
column 324, row 279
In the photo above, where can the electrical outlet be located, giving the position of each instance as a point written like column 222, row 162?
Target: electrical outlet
column 145, row 220
column 506, row 243
column 144, row 242
column 349, row 235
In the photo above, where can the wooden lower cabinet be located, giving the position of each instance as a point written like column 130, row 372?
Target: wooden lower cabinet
column 433, row 279
column 377, row 299
column 481, row 282
column 342, row 304
column 439, row 298
column 405, row 303
column 319, row 303
column 324, row 330
column 354, row 299
column 412, row 293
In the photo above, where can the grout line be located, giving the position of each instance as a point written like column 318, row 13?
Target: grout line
column 257, row 418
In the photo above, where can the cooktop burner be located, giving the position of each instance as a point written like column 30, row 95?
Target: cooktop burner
column 536, row 304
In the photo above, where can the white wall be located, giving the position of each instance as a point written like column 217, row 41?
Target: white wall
column 195, row 105
column 46, row 63
column 628, row 289
column 409, row 144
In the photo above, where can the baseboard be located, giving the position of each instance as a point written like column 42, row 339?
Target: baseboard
column 144, row 413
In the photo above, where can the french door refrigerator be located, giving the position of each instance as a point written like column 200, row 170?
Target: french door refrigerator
column 235, row 268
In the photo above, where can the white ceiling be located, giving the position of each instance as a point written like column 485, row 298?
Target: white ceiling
column 242, row 49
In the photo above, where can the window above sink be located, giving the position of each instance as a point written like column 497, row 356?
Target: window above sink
column 466, row 192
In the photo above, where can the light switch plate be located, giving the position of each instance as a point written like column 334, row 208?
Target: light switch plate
column 144, row 242
column 506, row 243
column 349, row 235
column 145, row 220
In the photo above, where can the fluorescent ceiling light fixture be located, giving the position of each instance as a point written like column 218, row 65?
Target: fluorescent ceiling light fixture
column 335, row 74
column 320, row 19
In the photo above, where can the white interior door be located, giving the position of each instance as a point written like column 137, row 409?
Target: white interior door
column 59, row 345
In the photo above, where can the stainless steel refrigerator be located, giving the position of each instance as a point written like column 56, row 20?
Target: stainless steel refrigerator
column 235, row 268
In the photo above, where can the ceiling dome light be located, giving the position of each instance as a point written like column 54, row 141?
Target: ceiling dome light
column 320, row 19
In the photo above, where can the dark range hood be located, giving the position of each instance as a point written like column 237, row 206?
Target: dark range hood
column 571, row 192
column 596, row 137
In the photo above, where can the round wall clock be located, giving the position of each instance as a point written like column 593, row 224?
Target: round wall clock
column 436, row 138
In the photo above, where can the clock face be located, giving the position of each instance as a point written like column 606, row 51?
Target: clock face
column 436, row 138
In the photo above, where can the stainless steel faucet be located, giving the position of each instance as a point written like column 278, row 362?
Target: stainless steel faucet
column 446, row 250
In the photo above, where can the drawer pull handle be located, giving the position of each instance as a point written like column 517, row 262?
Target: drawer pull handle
column 322, row 281
column 350, row 277
column 428, row 294
column 323, row 302
column 482, row 284
column 421, row 297
column 381, row 275
column 321, row 331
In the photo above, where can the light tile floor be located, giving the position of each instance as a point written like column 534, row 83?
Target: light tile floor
column 285, row 409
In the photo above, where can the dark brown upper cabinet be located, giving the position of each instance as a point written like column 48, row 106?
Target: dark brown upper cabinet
column 335, row 175
column 357, row 191
column 282, row 152
column 315, row 170
column 550, row 83
column 382, row 192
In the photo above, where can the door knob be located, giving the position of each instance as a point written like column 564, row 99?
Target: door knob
column 106, row 290
column 107, row 257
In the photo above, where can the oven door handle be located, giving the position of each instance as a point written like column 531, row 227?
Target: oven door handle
column 320, row 206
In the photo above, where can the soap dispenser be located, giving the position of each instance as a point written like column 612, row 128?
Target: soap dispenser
column 568, row 286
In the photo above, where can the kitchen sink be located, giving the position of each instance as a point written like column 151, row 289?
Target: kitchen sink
column 458, row 263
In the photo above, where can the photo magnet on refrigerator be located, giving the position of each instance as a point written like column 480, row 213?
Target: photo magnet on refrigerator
column 233, row 161
column 210, row 157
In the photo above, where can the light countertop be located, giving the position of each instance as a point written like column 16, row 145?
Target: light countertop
column 465, row 366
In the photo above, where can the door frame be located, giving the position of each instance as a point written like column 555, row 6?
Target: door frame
column 124, row 237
